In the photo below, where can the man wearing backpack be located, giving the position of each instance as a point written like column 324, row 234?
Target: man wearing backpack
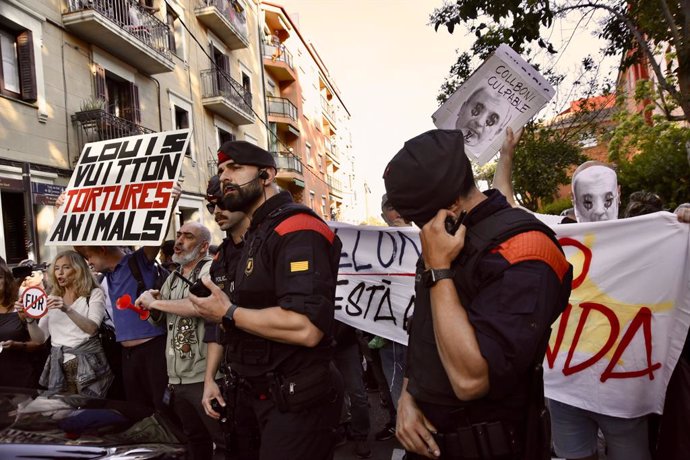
column 486, row 294
column 143, row 370
column 186, row 352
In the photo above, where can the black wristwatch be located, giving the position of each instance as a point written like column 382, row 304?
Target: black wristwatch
column 229, row 317
column 432, row 275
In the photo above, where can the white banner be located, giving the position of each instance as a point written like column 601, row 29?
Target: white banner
column 615, row 347
column 120, row 191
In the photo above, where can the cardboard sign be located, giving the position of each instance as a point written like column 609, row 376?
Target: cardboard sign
column 121, row 191
column 35, row 301
column 504, row 91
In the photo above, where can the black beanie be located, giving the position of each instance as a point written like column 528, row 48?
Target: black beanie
column 429, row 173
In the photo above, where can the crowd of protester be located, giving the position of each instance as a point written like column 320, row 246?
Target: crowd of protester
column 63, row 350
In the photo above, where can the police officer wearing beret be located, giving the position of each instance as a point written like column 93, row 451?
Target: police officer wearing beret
column 279, row 318
column 487, row 292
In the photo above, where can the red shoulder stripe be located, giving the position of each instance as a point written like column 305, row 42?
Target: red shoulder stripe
column 305, row 222
column 533, row 245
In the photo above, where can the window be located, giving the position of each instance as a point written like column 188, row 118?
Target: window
column 182, row 118
column 311, row 199
column 308, row 155
column 247, row 85
column 17, row 72
column 121, row 96
column 320, row 162
column 323, row 207
column 224, row 136
column 171, row 20
column 181, row 121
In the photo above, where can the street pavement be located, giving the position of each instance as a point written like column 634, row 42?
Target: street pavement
column 381, row 450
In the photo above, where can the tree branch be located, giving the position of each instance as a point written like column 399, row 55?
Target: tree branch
column 640, row 41
column 671, row 24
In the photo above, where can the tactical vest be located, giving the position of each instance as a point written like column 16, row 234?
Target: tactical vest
column 248, row 354
column 426, row 369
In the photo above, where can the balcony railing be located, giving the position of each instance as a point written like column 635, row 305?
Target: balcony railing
column 131, row 17
column 278, row 53
column 285, row 160
column 335, row 184
column 99, row 125
column 233, row 16
column 327, row 109
column 281, row 107
column 215, row 82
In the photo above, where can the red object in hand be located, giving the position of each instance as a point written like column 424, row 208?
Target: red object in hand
column 125, row 302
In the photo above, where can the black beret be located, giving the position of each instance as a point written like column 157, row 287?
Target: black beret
column 245, row 153
column 429, row 173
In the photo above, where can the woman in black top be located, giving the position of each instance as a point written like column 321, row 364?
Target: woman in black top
column 16, row 369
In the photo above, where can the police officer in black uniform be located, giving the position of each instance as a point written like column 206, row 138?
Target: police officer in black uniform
column 279, row 318
column 224, row 403
column 487, row 293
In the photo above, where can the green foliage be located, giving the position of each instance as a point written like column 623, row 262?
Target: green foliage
column 630, row 27
column 556, row 207
column 541, row 165
column 661, row 166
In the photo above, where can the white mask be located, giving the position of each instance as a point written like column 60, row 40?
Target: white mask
column 596, row 195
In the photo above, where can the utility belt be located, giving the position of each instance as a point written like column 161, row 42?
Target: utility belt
column 480, row 441
column 294, row 392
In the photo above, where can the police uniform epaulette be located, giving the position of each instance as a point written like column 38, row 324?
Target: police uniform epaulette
column 533, row 245
column 303, row 221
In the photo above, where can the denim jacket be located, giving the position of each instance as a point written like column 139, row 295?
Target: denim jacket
column 93, row 372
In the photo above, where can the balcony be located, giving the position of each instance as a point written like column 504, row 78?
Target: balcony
column 287, row 162
column 225, row 19
column 226, row 97
column 124, row 29
column 335, row 187
column 284, row 113
column 332, row 152
column 278, row 62
column 328, row 112
column 99, row 125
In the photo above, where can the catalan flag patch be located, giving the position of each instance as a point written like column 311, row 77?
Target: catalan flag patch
column 299, row 266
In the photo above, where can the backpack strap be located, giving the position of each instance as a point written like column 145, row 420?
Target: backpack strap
column 136, row 272
column 489, row 233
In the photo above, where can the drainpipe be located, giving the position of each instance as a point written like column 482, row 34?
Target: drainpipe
column 32, row 243
column 160, row 109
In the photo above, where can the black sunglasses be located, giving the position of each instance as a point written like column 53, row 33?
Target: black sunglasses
column 211, row 206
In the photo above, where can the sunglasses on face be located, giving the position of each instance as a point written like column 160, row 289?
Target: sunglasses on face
column 211, row 206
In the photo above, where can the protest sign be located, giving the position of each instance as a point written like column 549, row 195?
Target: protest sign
column 614, row 348
column 120, row 191
column 35, row 301
column 504, row 91
column 375, row 290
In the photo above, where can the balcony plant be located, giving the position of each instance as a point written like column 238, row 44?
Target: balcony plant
column 90, row 108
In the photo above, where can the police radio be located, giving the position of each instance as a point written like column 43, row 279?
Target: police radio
column 198, row 288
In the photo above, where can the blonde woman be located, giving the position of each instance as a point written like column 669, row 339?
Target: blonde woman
column 76, row 307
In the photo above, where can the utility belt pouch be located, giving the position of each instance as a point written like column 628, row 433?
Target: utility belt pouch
column 479, row 441
column 303, row 389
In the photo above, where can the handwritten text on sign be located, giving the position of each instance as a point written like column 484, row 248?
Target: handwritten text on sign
column 120, row 191
column 619, row 339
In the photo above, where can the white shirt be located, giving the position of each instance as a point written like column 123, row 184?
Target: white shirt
column 63, row 331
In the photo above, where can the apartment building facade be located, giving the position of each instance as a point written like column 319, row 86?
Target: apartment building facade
column 77, row 71
column 308, row 120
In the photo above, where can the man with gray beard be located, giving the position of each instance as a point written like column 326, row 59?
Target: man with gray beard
column 186, row 352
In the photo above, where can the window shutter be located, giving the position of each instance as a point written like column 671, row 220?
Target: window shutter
column 225, row 64
column 99, row 84
column 136, row 111
column 27, row 73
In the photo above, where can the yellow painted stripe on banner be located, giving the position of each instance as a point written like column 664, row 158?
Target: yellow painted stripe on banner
column 300, row 266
